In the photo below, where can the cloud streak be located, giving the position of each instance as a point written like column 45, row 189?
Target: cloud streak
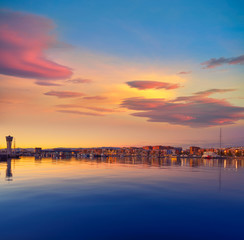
column 143, row 85
column 64, row 94
column 213, row 91
column 23, row 40
column 216, row 62
column 97, row 109
column 47, row 83
column 79, row 80
column 80, row 113
column 203, row 94
column 183, row 73
column 94, row 98
column 198, row 110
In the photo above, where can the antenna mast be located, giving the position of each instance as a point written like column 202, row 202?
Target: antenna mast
column 14, row 145
column 220, row 138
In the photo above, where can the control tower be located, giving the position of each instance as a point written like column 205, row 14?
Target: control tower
column 9, row 140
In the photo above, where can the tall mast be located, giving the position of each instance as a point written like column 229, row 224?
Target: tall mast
column 220, row 138
column 14, row 145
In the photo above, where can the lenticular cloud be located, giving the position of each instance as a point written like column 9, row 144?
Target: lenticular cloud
column 198, row 110
column 143, row 85
column 23, row 40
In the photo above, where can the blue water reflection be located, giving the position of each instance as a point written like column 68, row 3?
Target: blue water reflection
column 121, row 199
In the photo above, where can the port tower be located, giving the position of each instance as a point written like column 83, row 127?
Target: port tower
column 9, row 140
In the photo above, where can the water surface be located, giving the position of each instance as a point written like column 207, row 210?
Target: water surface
column 121, row 199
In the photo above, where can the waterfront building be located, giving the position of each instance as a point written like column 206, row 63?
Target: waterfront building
column 147, row 147
column 178, row 150
column 38, row 150
column 194, row 150
column 158, row 147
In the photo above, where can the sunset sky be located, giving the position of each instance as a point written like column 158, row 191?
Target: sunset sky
column 121, row 73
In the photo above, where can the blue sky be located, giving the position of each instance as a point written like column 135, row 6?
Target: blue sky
column 165, row 30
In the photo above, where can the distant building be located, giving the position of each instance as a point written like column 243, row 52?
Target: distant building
column 38, row 150
column 147, row 147
column 63, row 152
column 178, row 150
column 194, row 150
column 158, row 147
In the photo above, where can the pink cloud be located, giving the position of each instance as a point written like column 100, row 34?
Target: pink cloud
column 23, row 40
column 198, row 110
column 183, row 117
column 64, row 94
column 143, row 85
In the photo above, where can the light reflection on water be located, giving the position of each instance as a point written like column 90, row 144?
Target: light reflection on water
column 129, row 198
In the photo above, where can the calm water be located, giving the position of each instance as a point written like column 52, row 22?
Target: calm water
column 121, row 199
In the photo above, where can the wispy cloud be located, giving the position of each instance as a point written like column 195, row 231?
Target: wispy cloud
column 64, row 94
column 187, row 72
column 215, row 62
column 79, row 80
column 213, row 91
column 143, row 85
column 203, row 94
column 95, row 98
column 68, row 106
column 198, row 110
column 47, row 83
column 23, row 40
column 101, row 109
column 97, row 109
column 80, row 113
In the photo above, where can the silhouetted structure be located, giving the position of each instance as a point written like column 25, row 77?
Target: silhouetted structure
column 9, row 140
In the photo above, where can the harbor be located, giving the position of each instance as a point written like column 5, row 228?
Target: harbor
column 158, row 151
column 9, row 153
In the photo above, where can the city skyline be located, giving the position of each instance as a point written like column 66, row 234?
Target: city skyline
column 214, row 145
column 93, row 74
